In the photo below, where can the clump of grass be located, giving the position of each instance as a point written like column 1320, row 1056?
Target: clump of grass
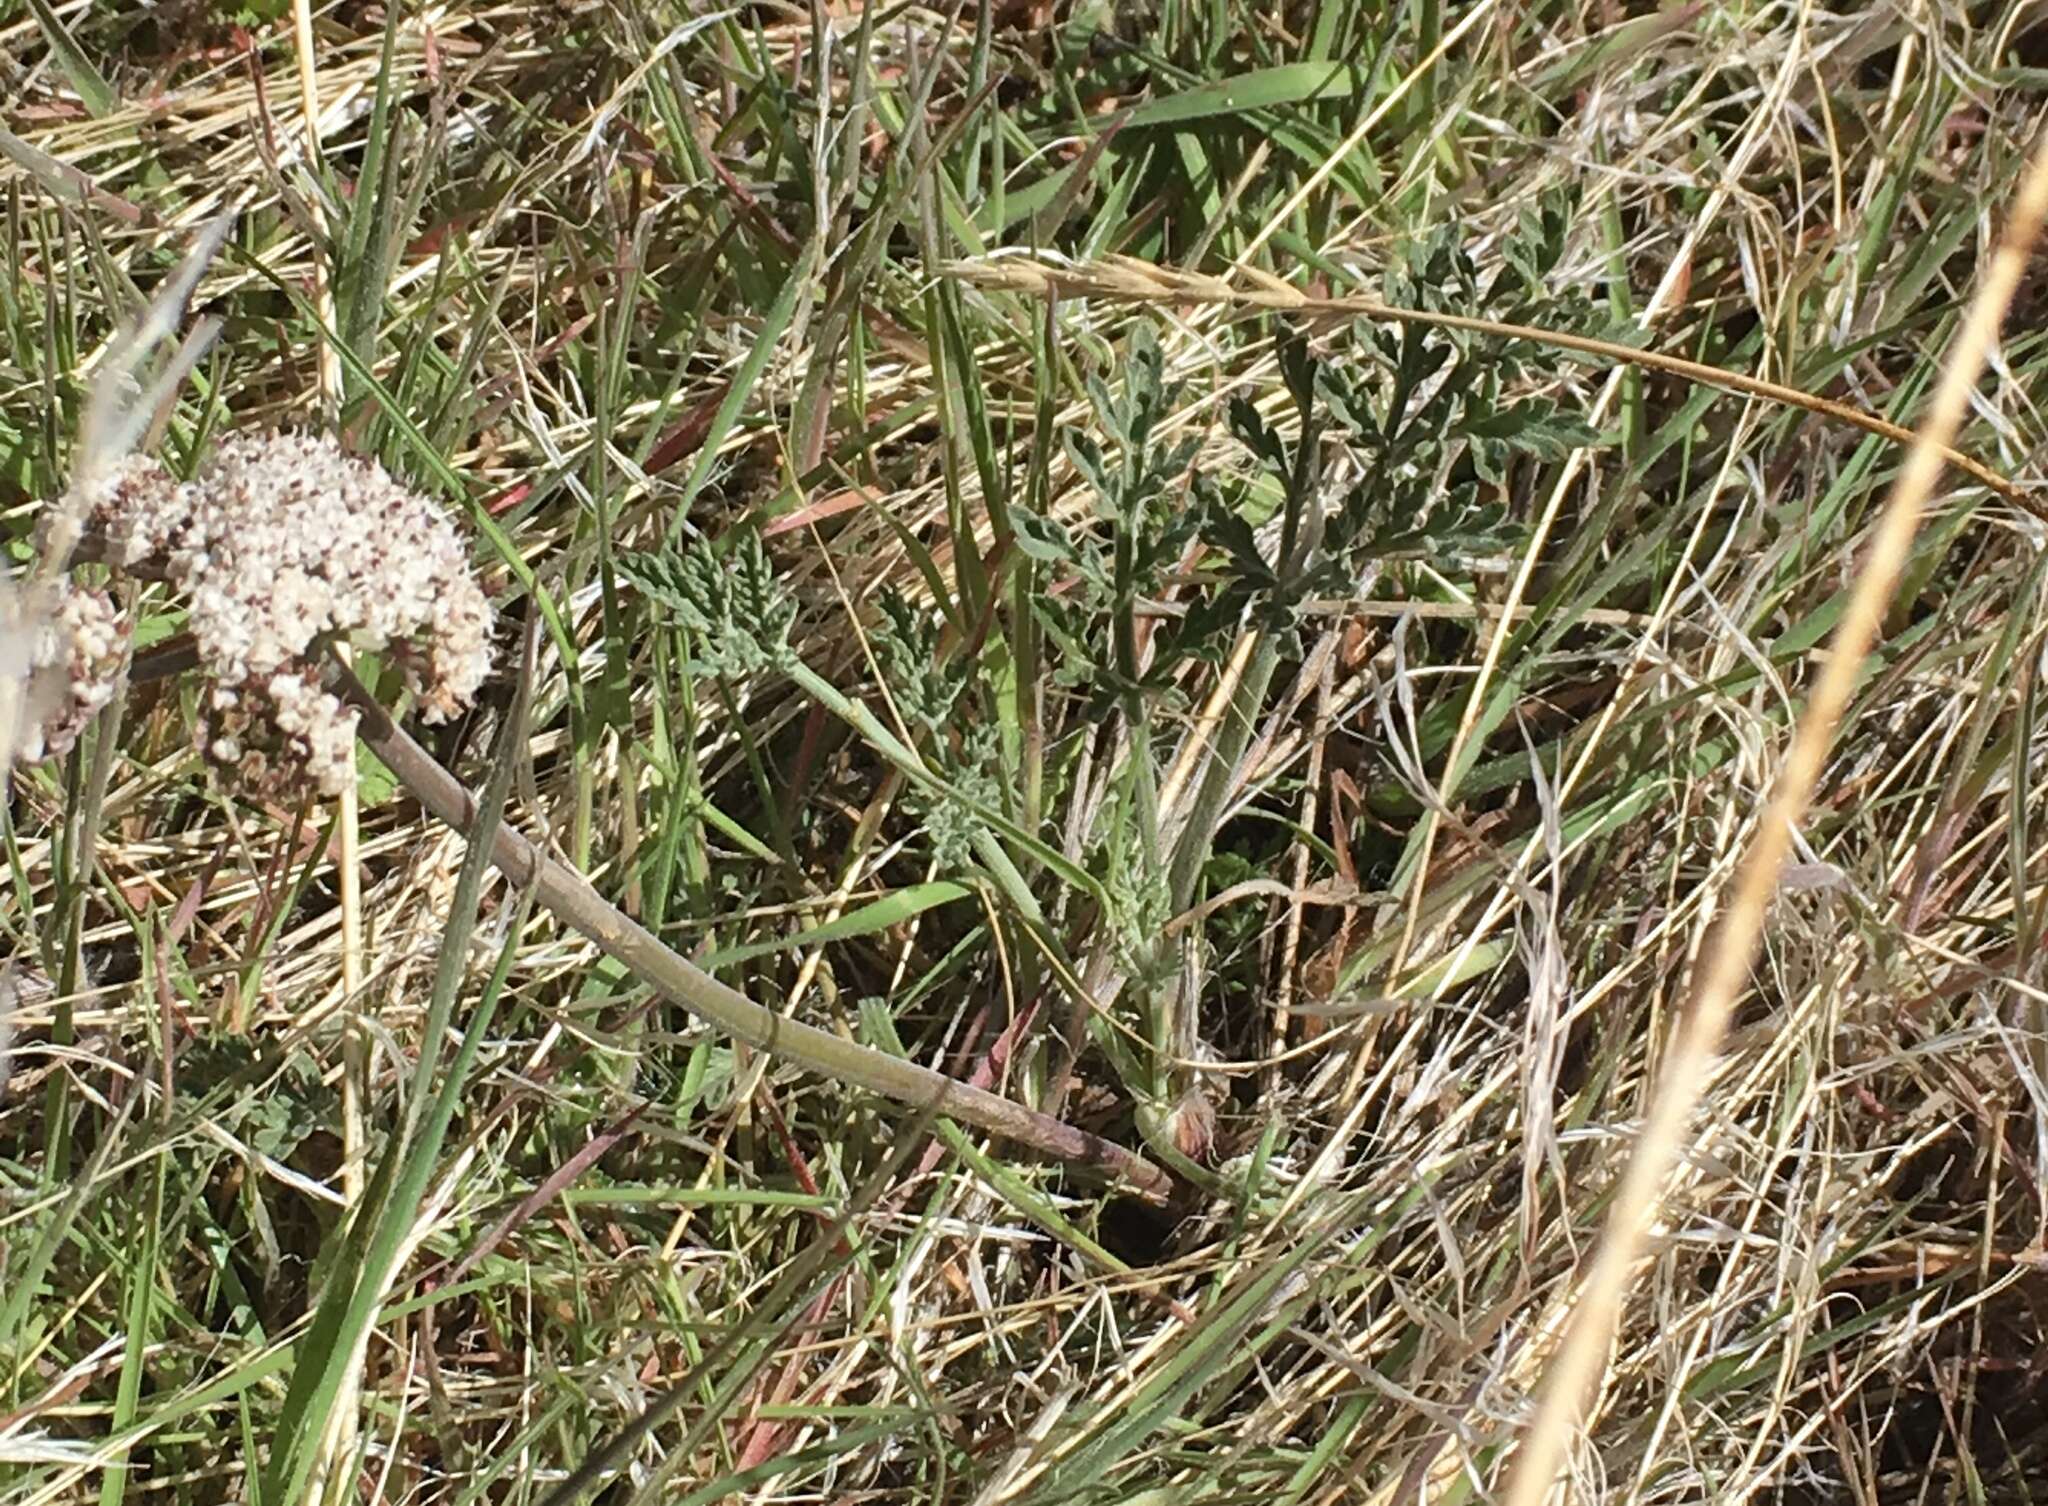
column 1183, row 697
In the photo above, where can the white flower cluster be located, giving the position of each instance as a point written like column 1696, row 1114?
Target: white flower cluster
column 77, row 651
column 280, row 544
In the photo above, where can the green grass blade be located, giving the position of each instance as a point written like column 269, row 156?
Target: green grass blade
column 79, row 71
column 1261, row 89
column 880, row 915
column 740, row 392
column 357, row 1282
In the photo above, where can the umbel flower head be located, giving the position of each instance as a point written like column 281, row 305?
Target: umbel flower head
column 74, row 644
column 281, row 545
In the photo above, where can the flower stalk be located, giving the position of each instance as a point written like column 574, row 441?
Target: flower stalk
column 571, row 899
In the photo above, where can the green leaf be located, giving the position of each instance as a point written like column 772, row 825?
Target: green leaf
column 1040, row 538
column 1086, row 455
column 891, row 910
column 665, row 576
column 735, row 604
column 93, row 89
column 1535, row 425
column 1256, row 435
column 375, row 783
column 1260, row 89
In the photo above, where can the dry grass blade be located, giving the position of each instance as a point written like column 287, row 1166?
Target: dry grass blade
column 124, row 395
column 1130, row 280
column 1728, row 960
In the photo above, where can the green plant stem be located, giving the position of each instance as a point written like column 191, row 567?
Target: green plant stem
column 1219, row 775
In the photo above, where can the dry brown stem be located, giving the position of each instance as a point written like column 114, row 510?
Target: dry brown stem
column 1130, row 280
